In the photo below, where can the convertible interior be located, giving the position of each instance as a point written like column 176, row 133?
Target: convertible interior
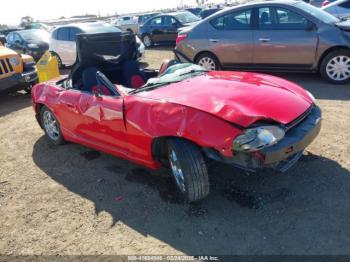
column 108, row 59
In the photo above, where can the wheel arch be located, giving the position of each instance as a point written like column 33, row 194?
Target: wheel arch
column 328, row 51
column 209, row 52
column 38, row 107
column 159, row 147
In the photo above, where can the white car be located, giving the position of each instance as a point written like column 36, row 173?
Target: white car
column 62, row 40
column 126, row 23
column 340, row 9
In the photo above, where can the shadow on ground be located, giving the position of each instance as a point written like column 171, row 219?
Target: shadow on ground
column 305, row 211
column 13, row 102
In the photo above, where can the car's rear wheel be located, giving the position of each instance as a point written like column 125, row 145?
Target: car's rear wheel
column 59, row 60
column 51, row 126
column 147, row 41
column 208, row 61
column 188, row 169
column 335, row 67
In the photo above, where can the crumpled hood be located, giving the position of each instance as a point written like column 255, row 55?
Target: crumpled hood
column 238, row 97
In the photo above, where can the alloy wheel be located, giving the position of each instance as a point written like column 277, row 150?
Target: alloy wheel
column 338, row 68
column 147, row 41
column 51, row 126
column 208, row 63
column 177, row 171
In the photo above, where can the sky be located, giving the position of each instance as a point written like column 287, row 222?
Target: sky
column 12, row 11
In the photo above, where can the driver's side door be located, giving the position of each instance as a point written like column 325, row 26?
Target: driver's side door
column 101, row 120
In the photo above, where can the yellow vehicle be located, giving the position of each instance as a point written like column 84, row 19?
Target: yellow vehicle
column 17, row 72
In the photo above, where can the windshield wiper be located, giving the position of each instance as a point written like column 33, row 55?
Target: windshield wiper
column 194, row 71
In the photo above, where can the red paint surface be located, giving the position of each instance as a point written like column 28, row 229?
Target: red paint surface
column 199, row 109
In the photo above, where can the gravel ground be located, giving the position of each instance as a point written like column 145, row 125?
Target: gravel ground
column 74, row 200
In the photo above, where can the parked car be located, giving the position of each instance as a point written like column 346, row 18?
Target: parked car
column 33, row 42
column 141, row 19
column 17, row 72
column 2, row 39
column 339, row 8
column 162, row 29
column 62, row 40
column 180, row 117
column 287, row 36
column 126, row 23
column 208, row 12
column 194, row 10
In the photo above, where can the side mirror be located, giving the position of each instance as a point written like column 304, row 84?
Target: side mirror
column 18, row 42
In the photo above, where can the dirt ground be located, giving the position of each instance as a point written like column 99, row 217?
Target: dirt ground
column 74, row 200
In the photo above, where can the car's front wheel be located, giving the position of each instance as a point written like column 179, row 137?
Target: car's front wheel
column 188, row 169
column 51, row 126
column 208, row 61
column 335, row 67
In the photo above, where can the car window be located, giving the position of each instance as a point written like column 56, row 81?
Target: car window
column 63, row 34
column 287, row 19
column 277, row 18
column 157, row 21
column 9, row 38
column 265, row 18
column 235, row 21
column 345, row 5
column 317, row 13
column 169, row 21
column 73, row 33
column 16, row 38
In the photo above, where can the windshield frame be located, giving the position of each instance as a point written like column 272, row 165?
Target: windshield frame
column 317, row 13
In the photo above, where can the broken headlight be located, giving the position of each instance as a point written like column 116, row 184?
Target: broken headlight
column 255, row 139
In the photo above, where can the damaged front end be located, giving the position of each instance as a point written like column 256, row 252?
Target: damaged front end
column 271, row 146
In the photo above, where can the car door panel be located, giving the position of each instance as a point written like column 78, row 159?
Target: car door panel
column 231, row 38
column 283, row 39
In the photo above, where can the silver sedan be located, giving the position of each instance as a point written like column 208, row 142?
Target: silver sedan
column 271, row 36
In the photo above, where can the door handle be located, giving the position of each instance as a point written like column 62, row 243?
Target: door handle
column 264, row 40
column 214, row 40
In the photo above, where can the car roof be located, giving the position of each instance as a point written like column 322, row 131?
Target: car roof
column 79, row 25
column 29, row 30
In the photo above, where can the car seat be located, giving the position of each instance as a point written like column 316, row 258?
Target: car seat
column 133, row 77
column 90, row 83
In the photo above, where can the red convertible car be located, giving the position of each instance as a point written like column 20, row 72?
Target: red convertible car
column 177, row 117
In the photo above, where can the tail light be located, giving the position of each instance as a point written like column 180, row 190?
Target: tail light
column 180, row 38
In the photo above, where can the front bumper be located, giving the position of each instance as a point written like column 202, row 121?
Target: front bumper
column 19, row 81
column 285, row 153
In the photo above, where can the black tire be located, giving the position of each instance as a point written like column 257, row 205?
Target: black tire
column 195, row 182
column 59, row 61
column 208, row 57
column 59, row 140
column 147, row 41
column 328, row 61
